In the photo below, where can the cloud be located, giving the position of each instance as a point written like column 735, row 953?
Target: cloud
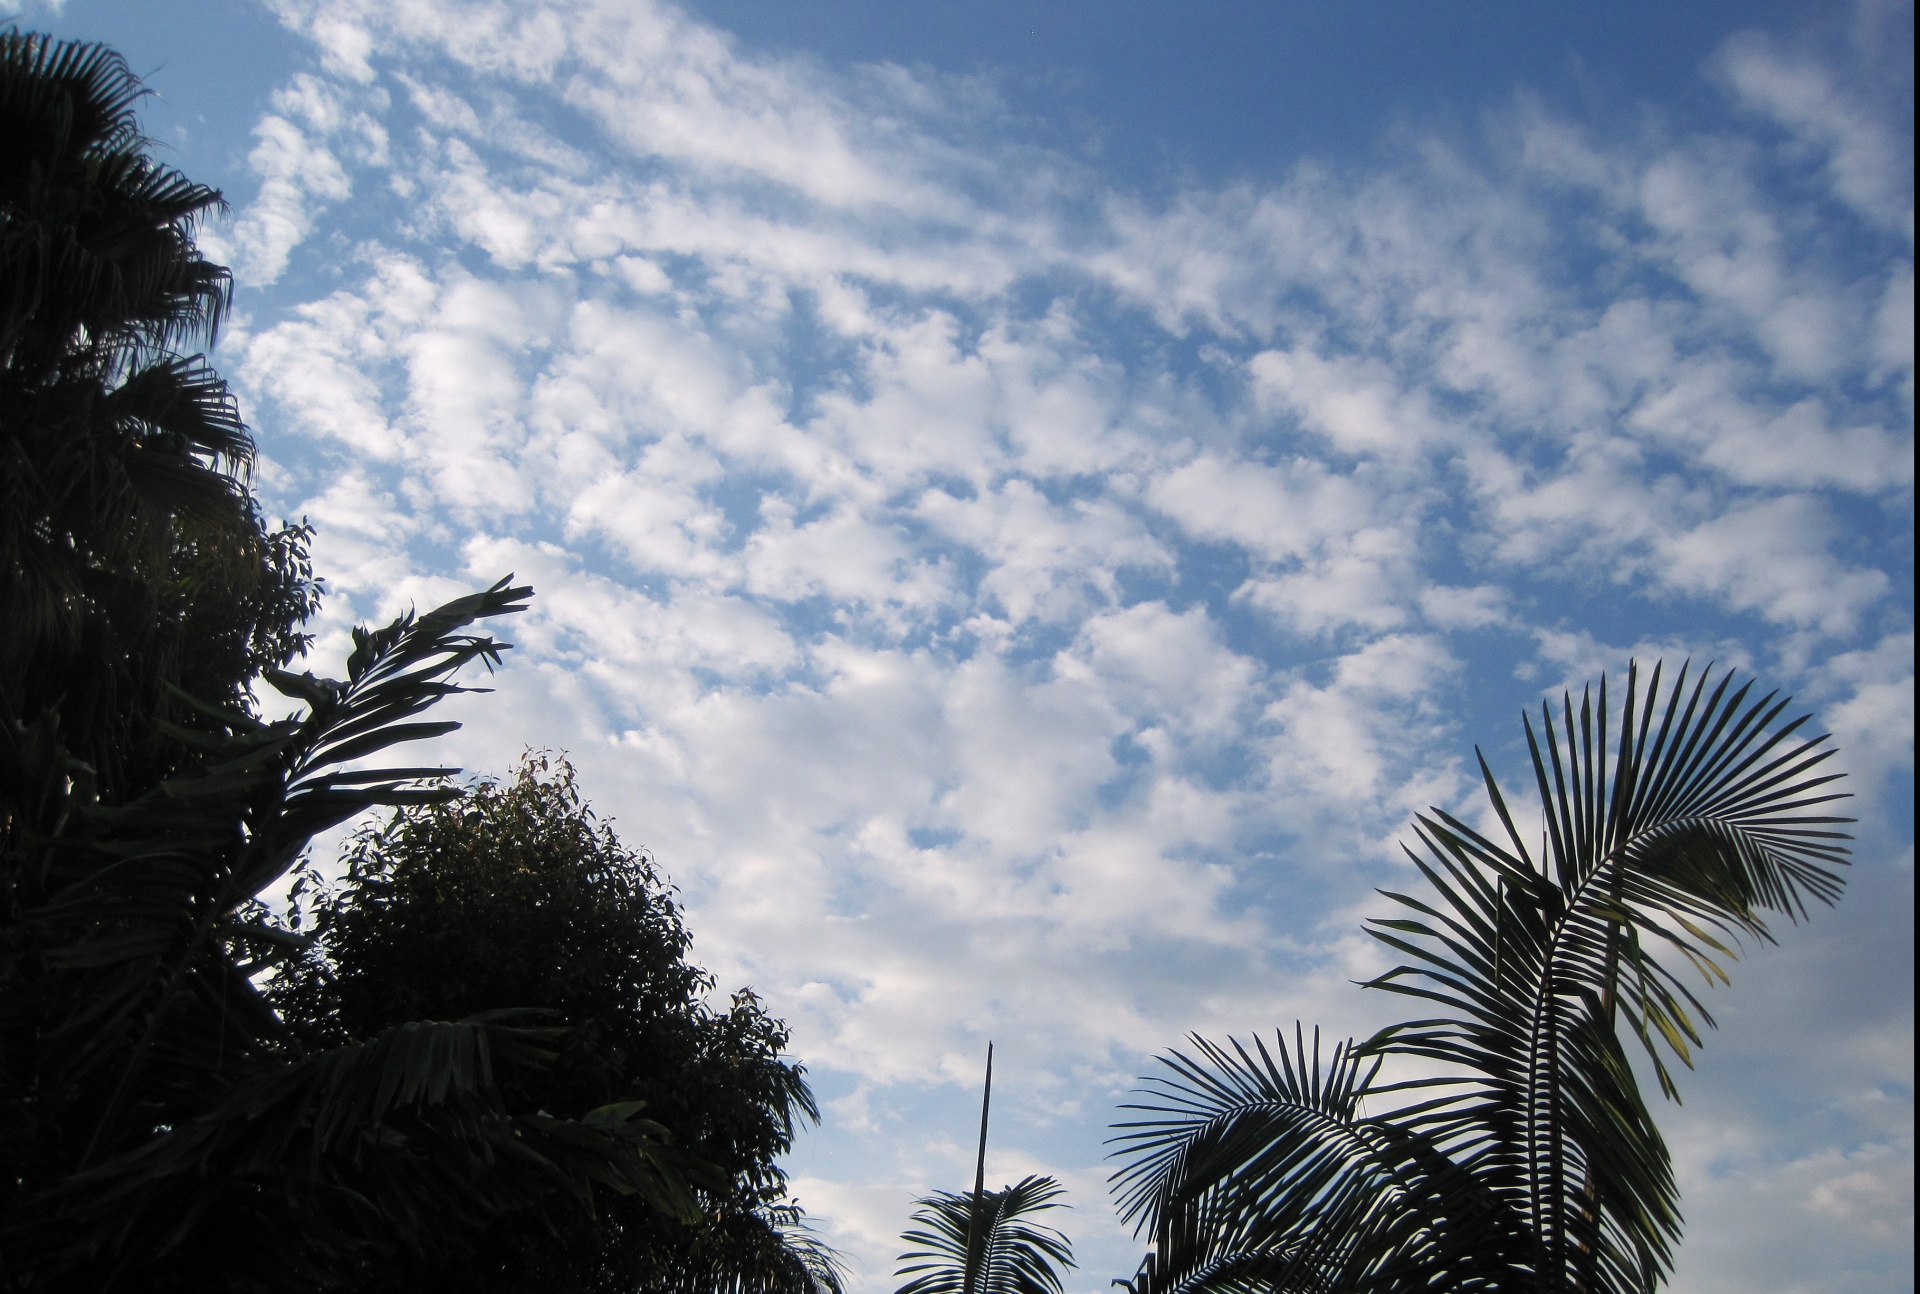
column 297, row 154
column 1868, row 165
column 1765, row 557
column 1796, row 1164
column 1010, row 606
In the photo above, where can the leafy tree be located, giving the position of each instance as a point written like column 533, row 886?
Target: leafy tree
column 154, row 1106
column 1009, row 1252
column 127, row 532
column 1535, row 1164
column 161, row 1126
column 516, row 894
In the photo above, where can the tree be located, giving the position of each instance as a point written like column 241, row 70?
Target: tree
column 1009, row 1253
column 160, row 1125
column 1534, row 1163
column 127, row 530
column 515, row 894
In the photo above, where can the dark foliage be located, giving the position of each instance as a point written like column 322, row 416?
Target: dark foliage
column 516, row 894
column 132, row 556
column 1536, row 1165
column 1010, row 1253
column 161, row 1127
column 153, row 1105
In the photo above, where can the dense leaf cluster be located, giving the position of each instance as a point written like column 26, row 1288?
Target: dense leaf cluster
column 516, row 893
column 132, row 557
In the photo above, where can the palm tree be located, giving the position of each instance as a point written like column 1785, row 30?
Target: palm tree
column 1533, row 1163
column 160, row 1125
column 986, row 1242
column 124, row 507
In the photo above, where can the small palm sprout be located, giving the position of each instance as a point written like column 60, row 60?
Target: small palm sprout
column 1534, row 1163
column 1011, row 1253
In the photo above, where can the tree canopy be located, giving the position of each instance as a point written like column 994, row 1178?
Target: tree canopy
column 127, row 528
column 516, row 893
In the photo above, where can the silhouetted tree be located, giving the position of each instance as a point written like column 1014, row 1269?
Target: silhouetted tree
column 515, row 894
column 161, row 1127
column 133, row 558
column 1536, row 1165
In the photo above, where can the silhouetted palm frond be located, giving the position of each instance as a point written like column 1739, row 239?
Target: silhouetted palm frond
column 1258, row 1169
column 1535, row 1163
column 1012, row 1253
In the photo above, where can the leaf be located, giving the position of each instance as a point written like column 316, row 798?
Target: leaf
column 1014, row 1254
column 1674, row 827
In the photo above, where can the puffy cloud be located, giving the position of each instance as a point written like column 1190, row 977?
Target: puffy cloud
column 1013, row 608
column 297, row 153
column 1869, row 166
column 1767, row 557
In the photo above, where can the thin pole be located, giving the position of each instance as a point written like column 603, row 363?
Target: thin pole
column 967, row 1280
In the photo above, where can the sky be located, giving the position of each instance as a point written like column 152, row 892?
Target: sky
column 1027, row 502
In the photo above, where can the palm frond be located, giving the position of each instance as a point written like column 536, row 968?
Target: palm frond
column 1015, row 1255
column 1534, row 1163
column 1664, row 851
column 1256, row 1168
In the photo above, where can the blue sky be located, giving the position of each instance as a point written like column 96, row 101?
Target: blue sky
column 1026, row 505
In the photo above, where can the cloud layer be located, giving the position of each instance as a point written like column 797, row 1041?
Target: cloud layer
column 1015, row 608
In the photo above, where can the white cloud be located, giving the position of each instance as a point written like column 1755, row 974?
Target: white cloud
column 1356, row 404
column 1059, row 672
column 1767, row 557
column 1869, row 166
column 298, row 151
column 1285, row 511
column 1869, row 710
column 1480, row 607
